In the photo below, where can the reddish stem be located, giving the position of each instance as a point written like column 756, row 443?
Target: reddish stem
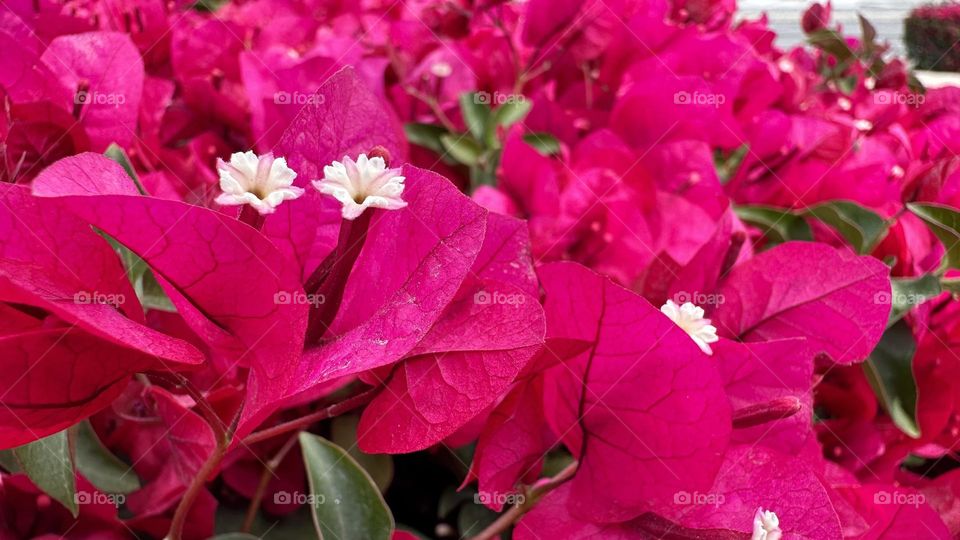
column 209, row 467
column 537, row 492
column 268, row 471
column 336, row 409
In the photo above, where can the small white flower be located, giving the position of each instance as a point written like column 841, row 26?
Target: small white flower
column 263, row 182
column 690, row 318
column 863, row 125
column 365, row 183
column 766, row 526
column 441, row 69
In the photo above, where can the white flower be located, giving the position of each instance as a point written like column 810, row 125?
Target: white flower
column 766, row 526
column 365, row 183
column 690, row 318
column 263, row 182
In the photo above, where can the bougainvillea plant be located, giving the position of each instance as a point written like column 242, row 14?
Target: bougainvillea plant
column 618, row 269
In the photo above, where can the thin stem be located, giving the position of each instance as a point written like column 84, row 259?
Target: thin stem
column 269, row 469
column 336, row 409
column 537, row 492
column 434, row 106
column 222, row 436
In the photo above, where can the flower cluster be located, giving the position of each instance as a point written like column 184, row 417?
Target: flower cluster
column 610, row 268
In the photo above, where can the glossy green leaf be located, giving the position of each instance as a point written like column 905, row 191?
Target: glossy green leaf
column 951, row 284
column 343, row 433
column 141, row 276
column 890, row 372
column 906, row 293
column 777, row 224
column 944, row 221
column 462, row 148
column 542, row 142
column 98, row 465
column 476, row 113
column 861, row 227
column 116, row 153
column 511, row 112
column 8, row 461
column 727, row 163
column 49, row 464
column 831, row 42
column 868, row 33
column 425, row 135
column 344, row 499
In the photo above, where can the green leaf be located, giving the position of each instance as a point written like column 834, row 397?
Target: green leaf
column 830, row 42
column 473, row 518
column 149, row 291
column 296, row 526
column 906, row 293
column 868, row 33
column 98, row 465
column 345, row 501
column 512, row 111
column 425, row 135
column 8, row 461
column 343, row 433
column 476, row 114
column 889, row 370
column 116, row 153
column 861, row 227
column 462, row 148
column 951, row 284
column 542, row 142
column 49, row 464
column 727, row 164
column 777, row 224
column 945, row 223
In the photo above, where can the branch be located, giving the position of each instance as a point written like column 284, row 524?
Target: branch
column 537, row 492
